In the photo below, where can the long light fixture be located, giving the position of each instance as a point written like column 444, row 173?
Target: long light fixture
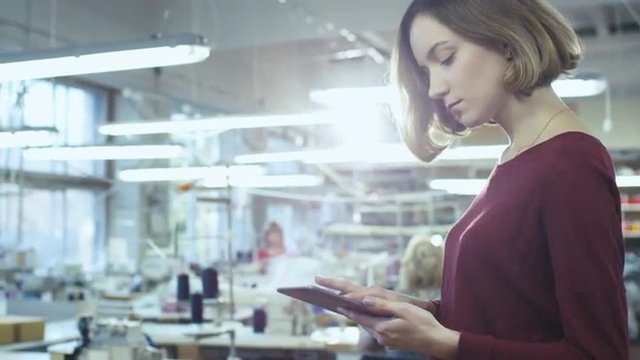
column 245, row 176
column 376, row 95
column 28, row 137
column 193, row 173
column 474, row 186
column 628, row 180
column 221, row 123
column 266, row 181
column 115, row 152
column 107, row 57
column 579, row 87
column 377, row 153
column 459, row 186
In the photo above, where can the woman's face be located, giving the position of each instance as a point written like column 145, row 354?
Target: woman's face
column 466, row 76
column 274, row 239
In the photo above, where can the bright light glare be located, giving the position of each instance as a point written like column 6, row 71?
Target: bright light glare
column 361, row 127
column 437, row 240
column 352, row 97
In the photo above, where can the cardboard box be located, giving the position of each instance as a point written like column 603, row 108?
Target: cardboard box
column 7, row 333
column 15, row 329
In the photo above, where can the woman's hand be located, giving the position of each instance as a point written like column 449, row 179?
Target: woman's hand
column 357, row 292
column 411, row 328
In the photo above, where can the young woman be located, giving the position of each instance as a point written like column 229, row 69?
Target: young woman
column 273, row 246
column 533, row 269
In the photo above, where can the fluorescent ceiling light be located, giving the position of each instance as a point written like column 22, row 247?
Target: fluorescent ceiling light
column 189, row 173
column 247, row 176
column 474, row 186
column 628, row 180
column 380, row 153
column 382, row 230
column 27, row 137
column 221, row 123
column 377, row 153
column 99, row 58
column 376, row 95
column 266, row 181
column 115, row 152
column 472, row 152
column 459, row 186
column 579, row 87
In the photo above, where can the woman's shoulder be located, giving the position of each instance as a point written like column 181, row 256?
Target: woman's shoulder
column 573, row 155
column 563, row 150
column 568, row 154
column 571, row 146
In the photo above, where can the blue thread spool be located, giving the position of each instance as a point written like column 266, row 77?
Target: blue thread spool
column 259, row 319
column 210, row 289
column 196, row 308
column 183, row 287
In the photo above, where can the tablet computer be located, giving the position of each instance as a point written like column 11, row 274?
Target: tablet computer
column 324, row 298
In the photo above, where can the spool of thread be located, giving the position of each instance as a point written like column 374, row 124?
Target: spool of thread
column 196, row 308
column 183, row 287
column 210, row 289
column 259, row 320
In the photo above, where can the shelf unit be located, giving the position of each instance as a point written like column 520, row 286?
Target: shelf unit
column 630, row 207
column 378, row 230
column 632, row 238
column 632, row 235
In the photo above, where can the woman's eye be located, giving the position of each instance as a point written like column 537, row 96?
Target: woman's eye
column 448, row 61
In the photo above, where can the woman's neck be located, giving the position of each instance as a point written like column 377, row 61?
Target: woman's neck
column 523, row 118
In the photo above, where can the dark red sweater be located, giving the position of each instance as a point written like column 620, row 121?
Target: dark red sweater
column 533, row 269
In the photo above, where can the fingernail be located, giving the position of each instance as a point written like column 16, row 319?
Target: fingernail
column 367, row 301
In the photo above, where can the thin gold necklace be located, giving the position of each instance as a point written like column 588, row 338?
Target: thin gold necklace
column 541, row 131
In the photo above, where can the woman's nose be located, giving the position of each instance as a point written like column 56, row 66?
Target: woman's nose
column 437, row 86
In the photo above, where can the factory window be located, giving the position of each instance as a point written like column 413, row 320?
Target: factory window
column 46, row 208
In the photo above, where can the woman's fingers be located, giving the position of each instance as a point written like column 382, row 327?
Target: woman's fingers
column 353, row 291
column 374, row 291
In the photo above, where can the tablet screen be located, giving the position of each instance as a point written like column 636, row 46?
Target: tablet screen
column 324, row 298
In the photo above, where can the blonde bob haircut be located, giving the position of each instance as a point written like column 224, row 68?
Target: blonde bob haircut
column 421, row 268
column 541, row 43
